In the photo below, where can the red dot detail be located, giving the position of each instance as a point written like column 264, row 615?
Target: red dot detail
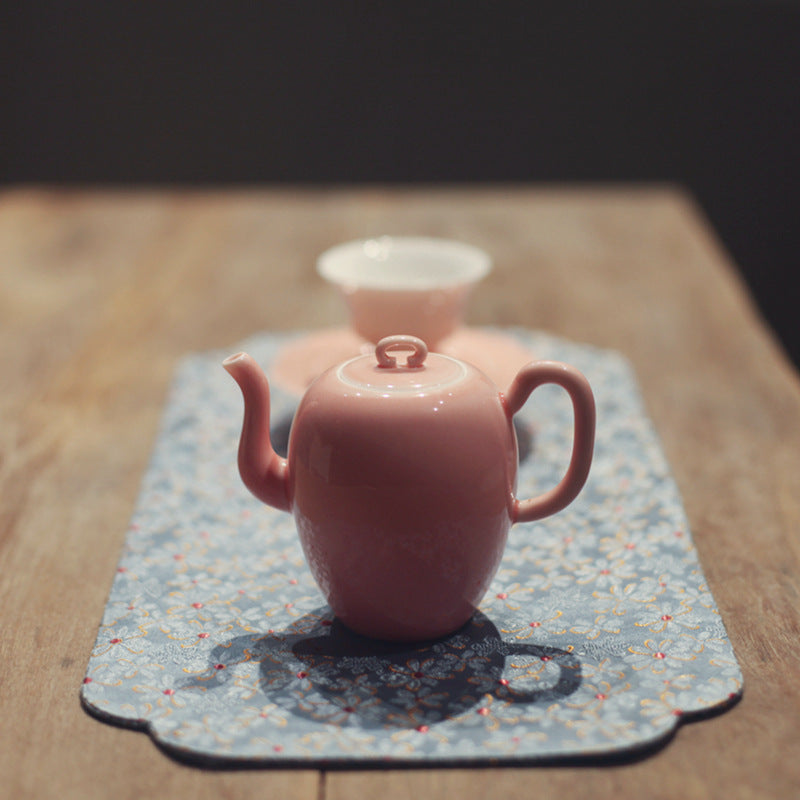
column 178, row 556
column 302, row 675
column 659, row 655
column 169, row 692
column 483, row 711
column 121, row 569
column 677, row 713
column 503, row 682
column 666, row 618
column 536, row 624
column 278, row 748
column 197, row 605
column 349, row 709
column 202, row 636
column 605, row 571
column 547, row 658
column 630, row 546
column 219, row 666
column 87, row 680
column 601, row 696
column 502, row 595
column 293, row 581
column 419, row 674
column 115, row 641
column 326, row 622
column 422, row 728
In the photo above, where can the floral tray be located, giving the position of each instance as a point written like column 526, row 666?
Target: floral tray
column 598, row 637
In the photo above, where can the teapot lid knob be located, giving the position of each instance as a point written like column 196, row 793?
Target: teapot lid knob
column 416, row 358
column 421, row 373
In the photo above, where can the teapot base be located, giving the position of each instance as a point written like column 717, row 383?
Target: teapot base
column 401, row 631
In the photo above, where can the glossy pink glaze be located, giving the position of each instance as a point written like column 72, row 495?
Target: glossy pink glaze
column 402, row 481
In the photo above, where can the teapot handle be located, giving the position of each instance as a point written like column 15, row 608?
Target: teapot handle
column 529, row 378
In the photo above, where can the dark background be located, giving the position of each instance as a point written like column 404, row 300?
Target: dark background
column 704, row 94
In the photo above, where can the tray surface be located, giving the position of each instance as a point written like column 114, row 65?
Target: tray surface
column 598, row 636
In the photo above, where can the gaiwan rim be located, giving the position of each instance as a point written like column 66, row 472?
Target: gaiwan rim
column 403, row 263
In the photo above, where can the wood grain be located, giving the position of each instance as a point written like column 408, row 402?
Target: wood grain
column 101, row 294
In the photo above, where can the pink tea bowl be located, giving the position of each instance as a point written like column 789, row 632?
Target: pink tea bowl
column 401, row 476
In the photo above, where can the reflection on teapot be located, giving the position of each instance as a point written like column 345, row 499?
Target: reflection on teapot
column 402, row 479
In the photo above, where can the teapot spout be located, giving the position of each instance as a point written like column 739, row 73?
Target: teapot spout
column 263, row 471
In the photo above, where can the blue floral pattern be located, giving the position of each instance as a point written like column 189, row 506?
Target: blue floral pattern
column 599, row 633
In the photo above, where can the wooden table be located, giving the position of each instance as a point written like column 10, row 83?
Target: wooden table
column 101, row 293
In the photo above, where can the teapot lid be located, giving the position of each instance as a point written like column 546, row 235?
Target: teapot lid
column 422, row 371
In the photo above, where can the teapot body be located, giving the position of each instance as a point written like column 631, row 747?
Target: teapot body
column 403, row 504
column 402, row 480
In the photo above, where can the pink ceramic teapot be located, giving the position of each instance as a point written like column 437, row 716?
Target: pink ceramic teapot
column 401, row 478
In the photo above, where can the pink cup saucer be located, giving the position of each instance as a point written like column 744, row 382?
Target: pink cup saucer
column 497, row 354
